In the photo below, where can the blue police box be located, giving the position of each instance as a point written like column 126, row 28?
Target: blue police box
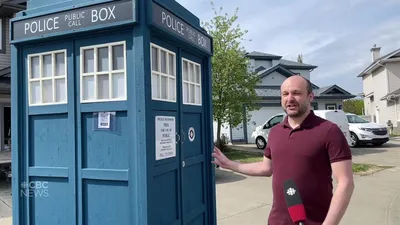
column 112, row 114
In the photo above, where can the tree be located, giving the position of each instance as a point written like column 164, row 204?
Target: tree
column 353, row 106
column 233, row 83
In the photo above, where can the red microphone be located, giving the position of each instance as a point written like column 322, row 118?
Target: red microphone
column 294, row 203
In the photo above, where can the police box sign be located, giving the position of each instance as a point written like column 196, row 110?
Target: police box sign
column 75, row 19
column 165, row 19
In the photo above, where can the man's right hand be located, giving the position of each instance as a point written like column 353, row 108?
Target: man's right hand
column 220, row 159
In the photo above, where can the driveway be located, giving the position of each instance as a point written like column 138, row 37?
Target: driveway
column 376, row 199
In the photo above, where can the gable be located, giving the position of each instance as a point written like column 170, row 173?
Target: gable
column 335, row 90
column 274, row 78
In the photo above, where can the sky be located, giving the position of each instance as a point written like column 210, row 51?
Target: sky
column 335, row 35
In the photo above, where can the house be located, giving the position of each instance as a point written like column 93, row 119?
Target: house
column 8, row 9
column 381, row 87
column 273, row 70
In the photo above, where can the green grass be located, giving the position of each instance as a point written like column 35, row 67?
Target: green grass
column 249, row 157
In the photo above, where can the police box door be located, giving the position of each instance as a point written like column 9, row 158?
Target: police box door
column 193, row 147
column 176, row 150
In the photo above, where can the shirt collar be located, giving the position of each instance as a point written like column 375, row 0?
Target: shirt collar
column 307, row 122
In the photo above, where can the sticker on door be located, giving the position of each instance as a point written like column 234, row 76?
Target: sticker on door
column 191, row 134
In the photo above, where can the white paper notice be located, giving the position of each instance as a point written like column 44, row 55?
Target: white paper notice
column 165, row 137
column 104, row 120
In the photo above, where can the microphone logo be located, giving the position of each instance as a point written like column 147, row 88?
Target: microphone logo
column 291, row 191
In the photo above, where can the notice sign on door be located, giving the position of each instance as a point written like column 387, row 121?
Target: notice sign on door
column 165, row 137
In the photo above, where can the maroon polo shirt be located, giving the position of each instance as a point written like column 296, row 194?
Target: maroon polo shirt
column 305, row 154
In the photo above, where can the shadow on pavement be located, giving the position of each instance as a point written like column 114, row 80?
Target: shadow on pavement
column 226, row 176
column 366, row 150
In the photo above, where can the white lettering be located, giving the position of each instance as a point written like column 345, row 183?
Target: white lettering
column 201, row 41
column 172, row 23
column 42, row 25
column 103, row 14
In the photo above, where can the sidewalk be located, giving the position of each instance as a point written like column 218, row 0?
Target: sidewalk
column 247, row 200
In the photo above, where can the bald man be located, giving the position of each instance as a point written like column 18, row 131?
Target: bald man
column 308, row 150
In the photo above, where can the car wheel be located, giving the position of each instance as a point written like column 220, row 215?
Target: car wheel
column 261, row 143
column 354, row 140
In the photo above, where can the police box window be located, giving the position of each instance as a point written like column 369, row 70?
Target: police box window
column 191, row 73
column 163, row 74
column 47, row 76
column 103, row 72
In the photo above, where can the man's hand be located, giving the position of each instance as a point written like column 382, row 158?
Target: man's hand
column 263, row 168
column 220, row 159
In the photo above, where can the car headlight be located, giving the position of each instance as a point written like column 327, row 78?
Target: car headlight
column 365, row 129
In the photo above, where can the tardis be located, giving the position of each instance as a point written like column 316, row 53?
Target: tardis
column 111, row 114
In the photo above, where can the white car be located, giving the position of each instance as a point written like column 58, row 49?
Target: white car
column 260, row 134
column 364, row 132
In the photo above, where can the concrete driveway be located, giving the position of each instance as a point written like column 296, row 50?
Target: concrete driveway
column 376, row 200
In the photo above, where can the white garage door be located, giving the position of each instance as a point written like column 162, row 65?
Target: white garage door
column 258, row 118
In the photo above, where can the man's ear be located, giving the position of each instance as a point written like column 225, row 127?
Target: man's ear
column 311, row 96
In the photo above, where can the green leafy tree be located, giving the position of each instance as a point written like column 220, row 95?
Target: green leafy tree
column 353, row 106
column 233, row 83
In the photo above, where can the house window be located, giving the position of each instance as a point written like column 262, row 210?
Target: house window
column 330, row 106
column 191, row 73
column 2, row 35
column 163, row 74
column 47, row 76
column 103, row 72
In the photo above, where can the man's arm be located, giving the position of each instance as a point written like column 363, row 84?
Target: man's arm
column 342, row 168
column 343, row 173
column 263, row 168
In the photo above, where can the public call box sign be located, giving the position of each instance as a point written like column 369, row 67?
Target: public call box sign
column 168, row 21
column 75, row 19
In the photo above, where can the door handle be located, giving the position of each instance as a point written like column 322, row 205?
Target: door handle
column 183, row 136
column 179, row 138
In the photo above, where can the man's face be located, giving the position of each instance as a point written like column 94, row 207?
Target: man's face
column 294, row 97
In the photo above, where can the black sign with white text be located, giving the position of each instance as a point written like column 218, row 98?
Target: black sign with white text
column 75, row 19
column 165, row 19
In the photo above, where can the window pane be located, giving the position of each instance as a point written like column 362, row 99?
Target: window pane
column 185, row 93
column 172, row 89
column 47, row 87
column 192, row 95
column 191, row 71
column 154, row 59
column 185, row 71
column 118, row 85
column 164, row 85
column 197, row 74
column 47, row 66
column 155, row 86
column 60, row 64
column 35, row 92
column 197, row 96
column 60, row 90
column 171, row 68
column 102, row 87
column 118, row 57
column 88, row 87
column 88, row 61
column 163, row 62
column 102, row 59
column 35, row 73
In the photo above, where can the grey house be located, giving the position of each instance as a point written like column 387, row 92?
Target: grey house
column 7, row 11
column 273, row 70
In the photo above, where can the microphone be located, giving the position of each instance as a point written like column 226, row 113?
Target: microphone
column 294, row 203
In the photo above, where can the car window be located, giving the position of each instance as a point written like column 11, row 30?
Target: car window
column 276, row 120
column 355, row 119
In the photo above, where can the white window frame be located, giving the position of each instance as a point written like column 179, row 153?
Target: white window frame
column 191, row 83
column 331, row 107
column 161, row 74
column 95, row 72
column 53, row 78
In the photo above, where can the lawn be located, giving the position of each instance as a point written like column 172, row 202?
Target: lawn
column 248, row 157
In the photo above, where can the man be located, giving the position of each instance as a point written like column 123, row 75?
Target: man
column 307, row 149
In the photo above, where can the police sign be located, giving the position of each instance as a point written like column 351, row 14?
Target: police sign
column 76, row 19
column 174, row 25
